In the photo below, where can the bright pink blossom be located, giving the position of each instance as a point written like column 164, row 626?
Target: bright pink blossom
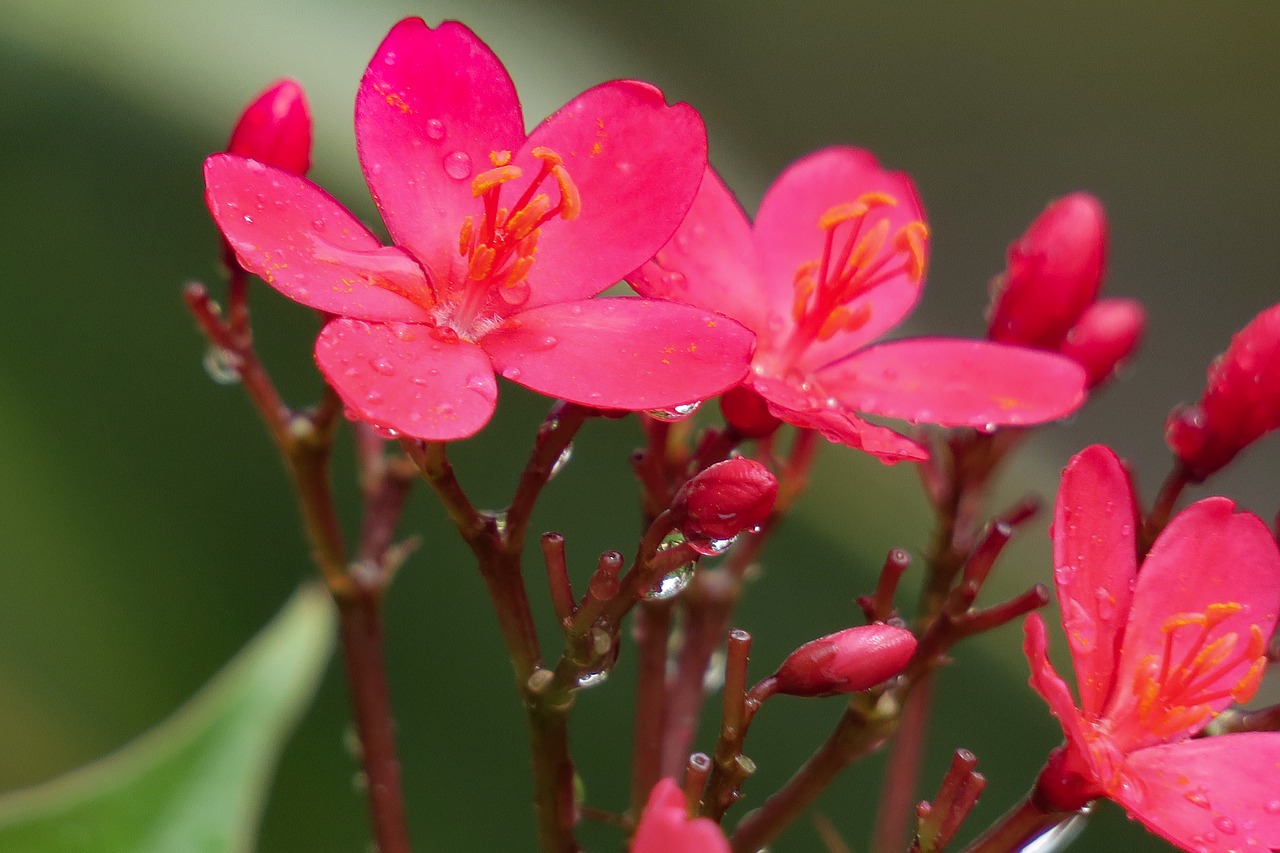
column 665, row 825
column 1047, row 296
column 276, row 129
column 1157, row 654
column 845, row 662
column 501, row 238
column 725, row 499
column 1240, row 404
column 835, row 259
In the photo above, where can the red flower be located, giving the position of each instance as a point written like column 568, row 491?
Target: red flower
column 501, row 238
column 847, row 661
column 665, row 825
column 276, row 129
column 1241, row 401
column 725, row 499
column 835, row 259
column 1157, row 655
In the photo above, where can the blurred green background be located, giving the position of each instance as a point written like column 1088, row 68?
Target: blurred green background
column 146, row 529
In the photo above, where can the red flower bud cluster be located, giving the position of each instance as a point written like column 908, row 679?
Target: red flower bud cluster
column 846, row 661
column 1240, row 403
column 1047, row 297
column 725, row 499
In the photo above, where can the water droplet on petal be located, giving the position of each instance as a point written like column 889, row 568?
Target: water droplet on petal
column 512, row 373
column 404, row 331
column 1225, row 825
column 674, row 280
column 373, row 398
column 1198, row 797
column 446, row 410
column 389, row 57
column 561, row 461
column 384, row 431
column 675, row 413
column 1272, row 807
column 435, row 129
column 547, row 342
column 248, row 219
column 383, row 366
column 457, row 165
column 712, row 547
column 222, row 365
column 515, row 294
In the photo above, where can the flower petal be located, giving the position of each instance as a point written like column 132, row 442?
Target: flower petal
column 413, row 379
column 711, row 260
column 621, row 353
column 956, row 382
column 787, row 235
column 307, row 246
column 636, row 163
column 431, row 107
column 1094, row 567
column 1216, row 794
column 1046, row 681
column 665, row 826
column 844, row 427
column 1208, row 555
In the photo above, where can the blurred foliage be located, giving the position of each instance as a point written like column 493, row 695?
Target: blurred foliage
column 146, row 527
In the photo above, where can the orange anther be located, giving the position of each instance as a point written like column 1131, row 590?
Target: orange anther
column 912, row 239
column 868, row 247
column 1182, row 620
column 499, row 158
column 873, row 200
column 523, row 221
column 1215, row 613
column 841, row 213
column 464, row 236
column 844, row 319
column 518, row 271
column 1244, row 690
column 570, row 201
column 547, row 155
column 492, row 178
column 481, row 263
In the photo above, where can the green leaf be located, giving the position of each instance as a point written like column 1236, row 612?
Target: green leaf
column 197, row 782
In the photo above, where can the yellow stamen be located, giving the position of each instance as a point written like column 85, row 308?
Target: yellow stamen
column 493, row 178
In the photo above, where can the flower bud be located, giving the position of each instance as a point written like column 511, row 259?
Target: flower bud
column 276, row 129
column 1106, row 334
column 1053, row 273
column 665, row 825
column 748, row 413
column 725, row 499
column 846, row 661
column 1241, row 400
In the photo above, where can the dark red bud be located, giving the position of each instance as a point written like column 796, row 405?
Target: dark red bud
column 1241, row 400
column 725, row 499
column 846, row 661
column 1054, row 271
column 748, row 413
column 275, row 129
column 1105, row 336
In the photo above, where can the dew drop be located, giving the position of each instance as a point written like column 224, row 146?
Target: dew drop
column 1106, row 603
column 591, row 679
column 383, row 366
column 500, row 522
column 248, row 219
column 515, row 294
column 561, row 461
column 547, row 342
column 457, row 165
column 435, row 129
column 1225, row 825
column 222, row 365
column 384, row 431
column 673, row 582
column 675, row 280
column 512, row 373
column 675, row 413
column 389, row 57
column 373, row 398
column 1272, row 807
column 712, row 547
column 1198, row 797
column 318, row 224
column 713, row 678
column 403, row 331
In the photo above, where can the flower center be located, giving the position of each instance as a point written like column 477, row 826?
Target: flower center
column 500, row 243
column 1174, row 692
column 858, row 255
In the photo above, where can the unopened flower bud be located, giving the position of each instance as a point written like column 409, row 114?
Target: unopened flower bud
column 1241, row 400
column 748, row 413
column 275, row 129
column 1054, row 271
column 846, row 661
column 1106, row 334
column 725, row 499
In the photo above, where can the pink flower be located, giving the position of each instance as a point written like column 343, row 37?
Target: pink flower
column 1240, row 403
column 725, row 499
column 501, row 238
column 835, row 259
column 665, row 825
column 1158, row 653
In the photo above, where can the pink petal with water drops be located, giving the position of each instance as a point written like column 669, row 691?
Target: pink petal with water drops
column 843, row 427
column 1208, row 555
column 1095, row 564
column 432, row 106
column 956, row 382
column 1046, row 681
column 621, row 353
column 787, row 235
column 309, row 247
column 412, row 379
column 1217, row 794
column 637, row 164
column 711, row 260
